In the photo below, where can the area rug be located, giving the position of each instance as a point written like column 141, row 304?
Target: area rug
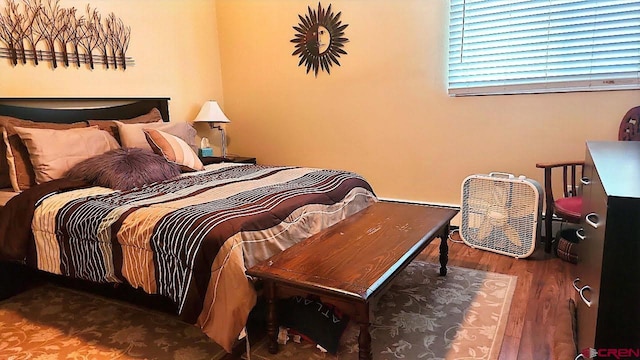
column 422, row 316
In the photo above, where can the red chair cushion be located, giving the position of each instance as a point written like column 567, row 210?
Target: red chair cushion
column 569, row 208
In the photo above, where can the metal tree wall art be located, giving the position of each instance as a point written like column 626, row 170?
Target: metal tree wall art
column 37, row 30
column 319, row 39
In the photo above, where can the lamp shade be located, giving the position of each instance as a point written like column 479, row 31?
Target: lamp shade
column 211, row 113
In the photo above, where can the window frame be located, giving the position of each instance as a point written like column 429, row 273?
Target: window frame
column 471, row 25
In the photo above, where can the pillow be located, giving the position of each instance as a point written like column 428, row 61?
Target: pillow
column 131, row 135
column 20, row 171
column 173, row 149
column 112, row 128
column 5, row 180
column 124, row 169
column 53, row 152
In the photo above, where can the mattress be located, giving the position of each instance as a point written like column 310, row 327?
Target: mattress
column 189, row 238
column 6, row 195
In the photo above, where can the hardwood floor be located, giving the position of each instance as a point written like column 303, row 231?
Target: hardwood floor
column 543, row 289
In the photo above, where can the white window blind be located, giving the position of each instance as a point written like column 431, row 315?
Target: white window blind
column 533, row 46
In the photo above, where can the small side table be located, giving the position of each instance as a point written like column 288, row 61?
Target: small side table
column 206, row 160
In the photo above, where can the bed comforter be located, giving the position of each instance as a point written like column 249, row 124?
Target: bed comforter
column 190, row 238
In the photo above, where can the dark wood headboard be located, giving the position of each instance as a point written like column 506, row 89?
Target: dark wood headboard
column 69, row 110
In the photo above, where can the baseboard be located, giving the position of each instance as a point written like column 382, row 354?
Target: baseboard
column 453, row 206
column 455, row 222
column 557, row 223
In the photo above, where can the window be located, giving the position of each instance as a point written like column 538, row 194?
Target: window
column 534, row 46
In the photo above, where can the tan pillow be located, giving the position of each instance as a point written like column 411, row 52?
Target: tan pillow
column 131, row 135
column 111, row 127
column 21, row 173
column 5, row 180
column 173, row 149
column 54, row 152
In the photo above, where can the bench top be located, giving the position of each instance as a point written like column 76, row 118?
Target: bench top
column 357, row 256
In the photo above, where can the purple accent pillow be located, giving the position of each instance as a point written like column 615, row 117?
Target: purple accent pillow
column 124, row 169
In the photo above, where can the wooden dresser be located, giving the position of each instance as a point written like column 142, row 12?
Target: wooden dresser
column 608, row 270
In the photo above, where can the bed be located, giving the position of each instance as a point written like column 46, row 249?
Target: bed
column 188, row 237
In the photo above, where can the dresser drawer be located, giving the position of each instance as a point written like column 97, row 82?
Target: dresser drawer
column 590, row 256
column 587, row 284
column 608, row 267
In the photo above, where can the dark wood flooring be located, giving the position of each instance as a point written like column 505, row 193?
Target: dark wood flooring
column 543, row 288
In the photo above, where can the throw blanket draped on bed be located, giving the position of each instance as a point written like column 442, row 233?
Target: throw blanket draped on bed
column 190, row 238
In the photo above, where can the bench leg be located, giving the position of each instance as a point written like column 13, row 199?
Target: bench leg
column 444, row 250
column 272, row 316
column 363, row 314
column 364, row 342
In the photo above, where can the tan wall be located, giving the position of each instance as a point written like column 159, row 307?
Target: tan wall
column 175, row 47
column 385, row 112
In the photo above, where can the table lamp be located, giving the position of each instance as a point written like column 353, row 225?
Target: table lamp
column 212, row 114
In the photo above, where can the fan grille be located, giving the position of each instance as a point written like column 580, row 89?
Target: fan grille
column 501, row 215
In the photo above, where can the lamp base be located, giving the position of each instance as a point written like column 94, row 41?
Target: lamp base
column 223, row 140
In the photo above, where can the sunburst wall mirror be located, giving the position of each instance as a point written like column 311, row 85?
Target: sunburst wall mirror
column 319, row 39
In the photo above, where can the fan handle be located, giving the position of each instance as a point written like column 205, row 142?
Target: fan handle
column 502, row 174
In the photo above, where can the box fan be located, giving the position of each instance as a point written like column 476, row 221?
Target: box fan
column 501, row 213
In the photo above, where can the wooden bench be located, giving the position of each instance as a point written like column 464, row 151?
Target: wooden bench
column 353, row 262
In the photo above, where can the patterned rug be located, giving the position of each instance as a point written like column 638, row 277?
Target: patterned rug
column 422, row 316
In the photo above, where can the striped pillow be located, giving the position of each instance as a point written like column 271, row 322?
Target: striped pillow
column 173, row 149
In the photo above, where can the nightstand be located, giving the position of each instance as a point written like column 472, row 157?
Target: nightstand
column 206, row 160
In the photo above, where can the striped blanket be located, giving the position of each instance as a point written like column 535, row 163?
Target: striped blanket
column 192, row 238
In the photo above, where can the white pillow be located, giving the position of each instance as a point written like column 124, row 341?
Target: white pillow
column 131, row 135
